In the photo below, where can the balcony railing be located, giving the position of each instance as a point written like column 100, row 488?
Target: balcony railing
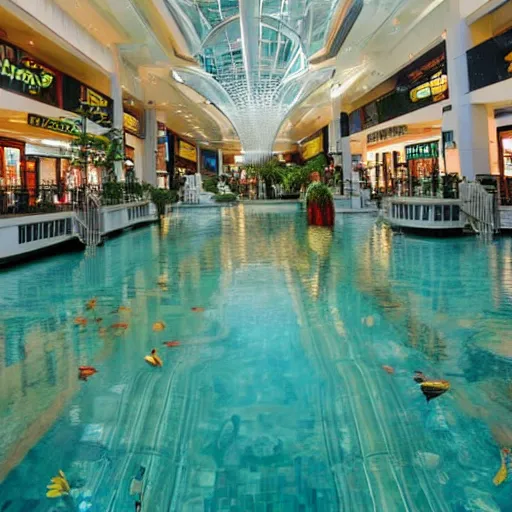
column 52, row 198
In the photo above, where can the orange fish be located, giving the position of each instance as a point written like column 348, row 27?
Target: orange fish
column 91, row 304
column 172, row 344
column 388, row 369
column 197, row 309
column 120, row 325
column 80, row 320
column 84, row 372
column 158, row 326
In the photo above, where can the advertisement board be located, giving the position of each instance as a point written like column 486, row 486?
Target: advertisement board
column 65, row 126
column 312, row 147
column 187, row 151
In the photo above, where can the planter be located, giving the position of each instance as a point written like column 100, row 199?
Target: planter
column 320, row 214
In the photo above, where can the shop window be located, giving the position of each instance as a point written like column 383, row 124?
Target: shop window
column 417, row 212
column 426, row 212
column 47, row 171
column 438, row 213
column 446, row 212
column 455, row 212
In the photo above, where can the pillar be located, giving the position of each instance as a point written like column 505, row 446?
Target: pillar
column 334, row 125
column 116, row 93
column 220, row 167
column 469, row 122
column 346, row 158
column 150, row 148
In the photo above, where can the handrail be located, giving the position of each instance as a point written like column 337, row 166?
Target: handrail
column 480, row 208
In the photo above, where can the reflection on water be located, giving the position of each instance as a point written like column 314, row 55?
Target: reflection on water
column 275, row 397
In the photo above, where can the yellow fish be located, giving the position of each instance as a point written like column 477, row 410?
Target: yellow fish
column 502, row 473
column 153, row 359
column 59, row 486
column 158, row 326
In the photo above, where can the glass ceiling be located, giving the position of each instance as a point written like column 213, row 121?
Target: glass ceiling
column 254, row 56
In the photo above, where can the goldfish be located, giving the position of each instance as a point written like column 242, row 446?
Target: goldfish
column 153, row 359
column 388, row 369
column 59, row 486
column 172, row 344
column 158, row 326
column 434, row 388
column 124, row 309
column 91, row 304
column 84, row 372
column 506, row 461
column 80, row 320
column 120, row 325
column 197, row 309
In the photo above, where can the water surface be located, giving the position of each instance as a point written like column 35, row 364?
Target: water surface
column 276, row 399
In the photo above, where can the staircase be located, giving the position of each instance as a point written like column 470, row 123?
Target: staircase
column 480, row 208
column 87, row 209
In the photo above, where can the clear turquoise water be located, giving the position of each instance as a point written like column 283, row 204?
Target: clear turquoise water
column 276, row 399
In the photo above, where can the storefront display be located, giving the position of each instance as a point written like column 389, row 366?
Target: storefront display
column 162, row 156
column 423, row 166
column 505, row 163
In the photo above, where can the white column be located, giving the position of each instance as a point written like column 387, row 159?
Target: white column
column 149, row 170
column 334, row 125
column 198, row 159
column 116, row 92
column 346, row 157
column 220, row 168
column 468, row 122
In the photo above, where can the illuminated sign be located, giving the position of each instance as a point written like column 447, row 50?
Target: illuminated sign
column 65, row 126
column 22, row 74
column 388, row 133
column 312, row 147
column 434, row 88
column 131, row 124
column 82, row 99
column 187, row 151
column 423, row 150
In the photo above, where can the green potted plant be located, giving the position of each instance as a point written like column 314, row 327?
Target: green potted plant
column 161, row 197
column 320, row 205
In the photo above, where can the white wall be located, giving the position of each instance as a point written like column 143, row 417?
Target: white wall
column 138, row 145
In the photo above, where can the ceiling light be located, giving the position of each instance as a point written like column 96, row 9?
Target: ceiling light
column 31, row 43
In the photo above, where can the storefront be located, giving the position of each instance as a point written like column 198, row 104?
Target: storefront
column 402, row 159
column 134, row 133
column 12, row 163
column 162, row 157
column 505, row 162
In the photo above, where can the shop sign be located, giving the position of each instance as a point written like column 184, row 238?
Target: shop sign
column 422, row 83
column 22, row 74
column 131, row 124
column 490, row 62
column 387, row 133
column 422, row 150
column 65, row 126
column 312, row 147
column 82, row 99
column 187, row 151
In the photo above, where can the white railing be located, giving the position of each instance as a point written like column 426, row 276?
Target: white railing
column 88, row 219
column 479, row 207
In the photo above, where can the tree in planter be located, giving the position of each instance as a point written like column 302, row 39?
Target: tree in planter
column 161, row 197
column 320, row 205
